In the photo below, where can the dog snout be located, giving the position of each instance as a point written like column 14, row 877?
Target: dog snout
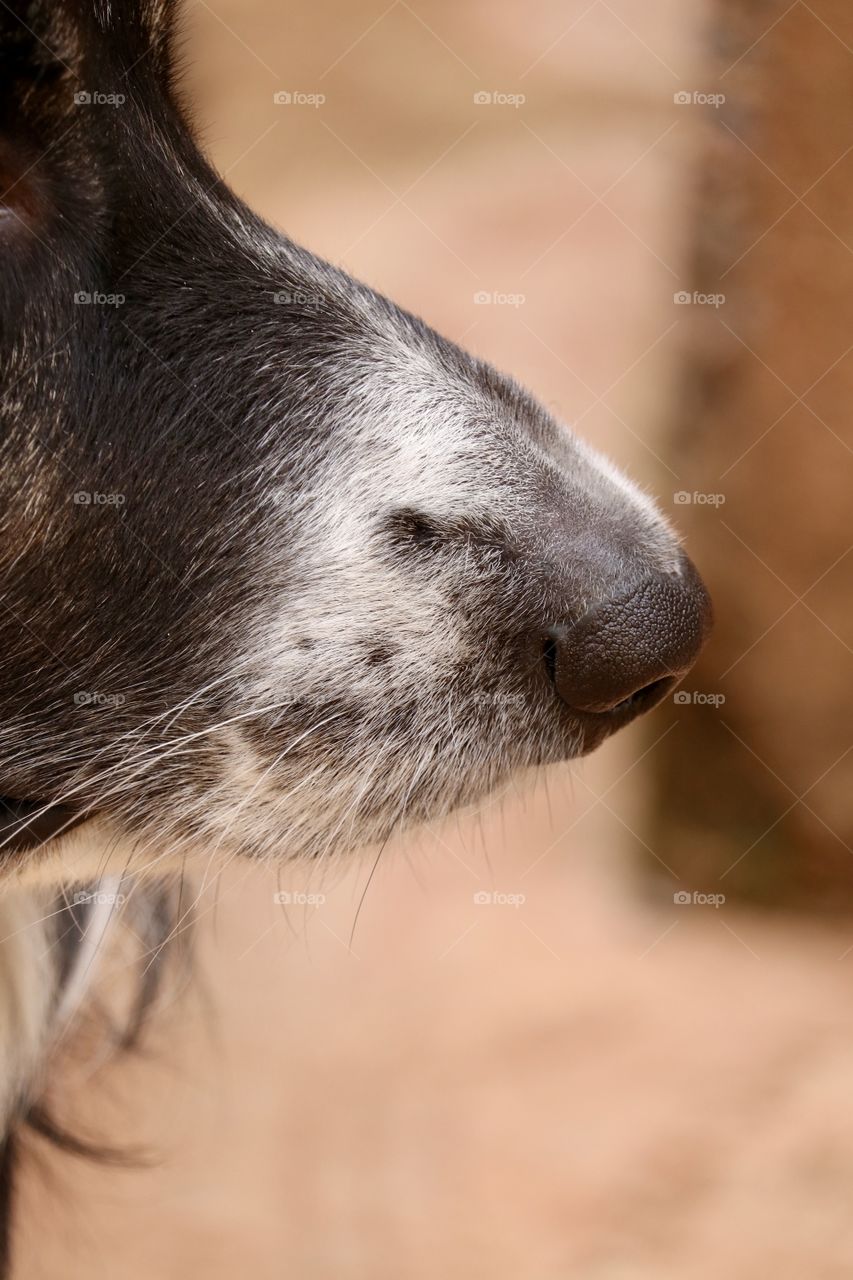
column 628, row 651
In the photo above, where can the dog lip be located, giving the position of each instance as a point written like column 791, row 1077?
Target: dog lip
column 596, row 726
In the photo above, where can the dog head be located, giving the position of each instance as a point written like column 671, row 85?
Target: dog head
column 280, row 566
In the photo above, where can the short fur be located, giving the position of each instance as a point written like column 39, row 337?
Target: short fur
column 276, row 559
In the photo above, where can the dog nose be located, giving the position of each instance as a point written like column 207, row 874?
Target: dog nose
column 630, row 650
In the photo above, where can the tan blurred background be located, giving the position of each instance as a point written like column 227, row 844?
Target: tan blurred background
column 581, row 1078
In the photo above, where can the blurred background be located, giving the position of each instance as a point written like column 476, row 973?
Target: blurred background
column 601, row 1028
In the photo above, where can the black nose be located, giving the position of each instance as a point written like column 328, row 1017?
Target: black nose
column 629, row 651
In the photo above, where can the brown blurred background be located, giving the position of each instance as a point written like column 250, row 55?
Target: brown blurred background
column 585, row 1077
